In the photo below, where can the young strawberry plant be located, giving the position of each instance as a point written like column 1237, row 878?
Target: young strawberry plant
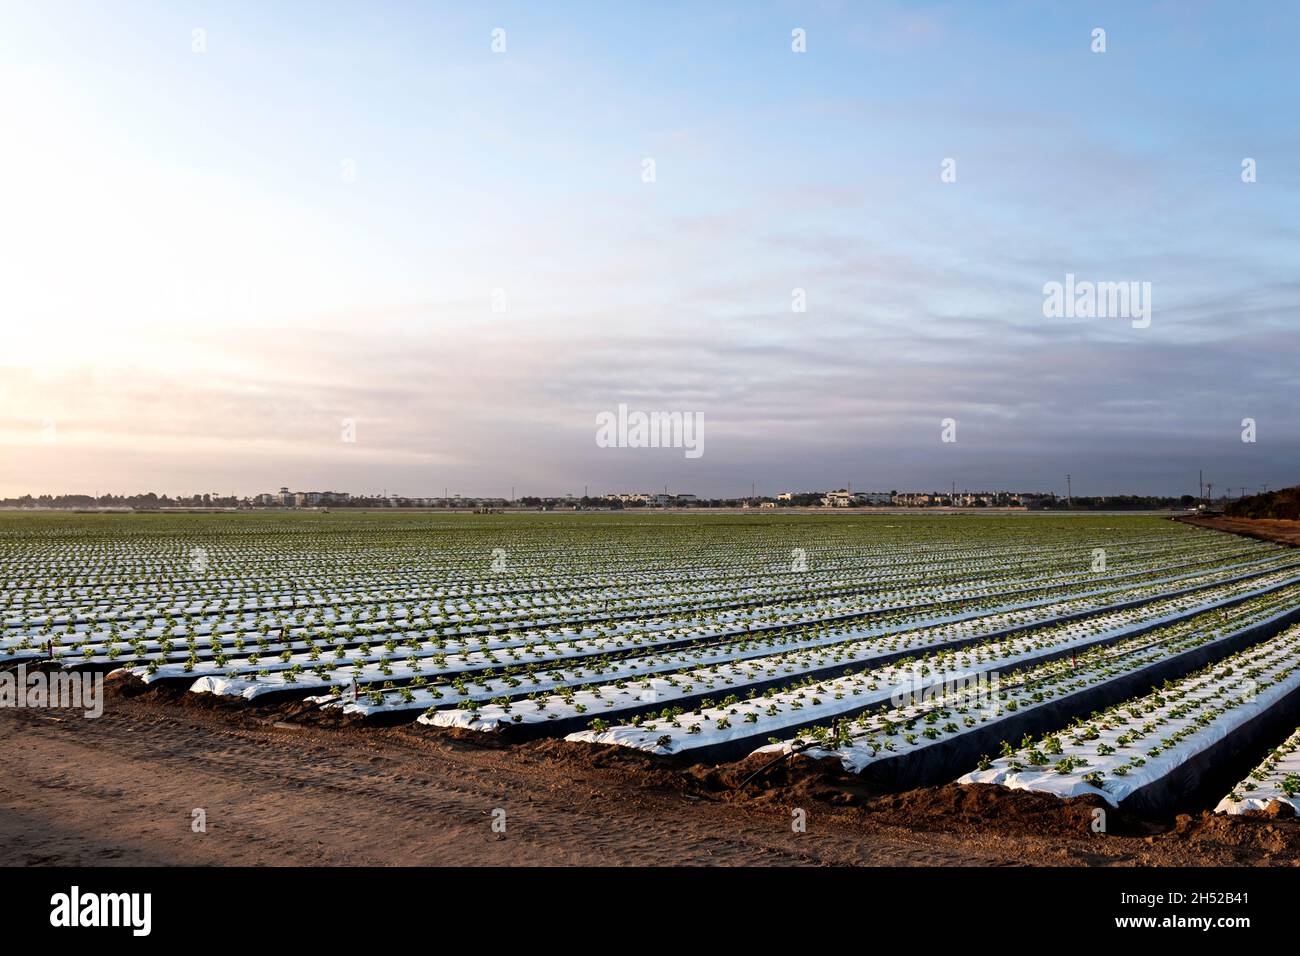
column 1275, row 779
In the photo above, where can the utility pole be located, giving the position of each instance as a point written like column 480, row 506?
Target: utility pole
column 1200, row 485
column 1069, row 493
column 1209, row 495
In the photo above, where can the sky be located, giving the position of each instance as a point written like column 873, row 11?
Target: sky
column 354, row 247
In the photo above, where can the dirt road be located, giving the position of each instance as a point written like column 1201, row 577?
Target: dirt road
column 123, row 789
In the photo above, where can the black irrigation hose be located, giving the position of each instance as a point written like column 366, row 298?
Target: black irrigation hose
column 785, row 755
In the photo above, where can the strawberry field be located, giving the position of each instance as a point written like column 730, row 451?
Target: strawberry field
column 1116, row 655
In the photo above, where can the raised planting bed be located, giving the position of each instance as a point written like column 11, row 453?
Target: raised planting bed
column 1275, row 781
column 167, row 606
column 1152, row 753
column 946, row 733
column 619, row 692
column 194, row 638
column 453, row 654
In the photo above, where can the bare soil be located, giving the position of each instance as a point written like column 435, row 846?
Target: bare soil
column 122, row 789
column 1280, row 530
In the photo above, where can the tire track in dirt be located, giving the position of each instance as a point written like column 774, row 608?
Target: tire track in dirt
column 280, row 796
column 120, row 790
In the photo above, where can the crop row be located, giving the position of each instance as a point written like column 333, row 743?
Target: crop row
column 300, row 628
column 619, row 690
column 837, row 718
column 399, row 606
column 1147, row 751
column 897, row 631
column 1275, row 779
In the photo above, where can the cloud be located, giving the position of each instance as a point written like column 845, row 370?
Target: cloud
column 202, row 309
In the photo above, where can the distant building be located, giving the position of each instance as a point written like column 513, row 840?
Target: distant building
column 285, row 498
column 914, row 499
column 854, row 499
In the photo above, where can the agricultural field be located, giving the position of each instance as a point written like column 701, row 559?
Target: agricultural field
column 1130, row 658
column 1276, row 779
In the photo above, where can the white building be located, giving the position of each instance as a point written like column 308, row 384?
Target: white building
column 850, row 499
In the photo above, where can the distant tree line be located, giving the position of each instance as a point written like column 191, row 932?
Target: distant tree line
column 145, row 501
column 1283, row 503
column 1120, row 503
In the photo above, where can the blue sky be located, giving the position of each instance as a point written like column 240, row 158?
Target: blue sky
column 210, row 259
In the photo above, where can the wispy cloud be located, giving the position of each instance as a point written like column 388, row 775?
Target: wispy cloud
column 197, row 299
